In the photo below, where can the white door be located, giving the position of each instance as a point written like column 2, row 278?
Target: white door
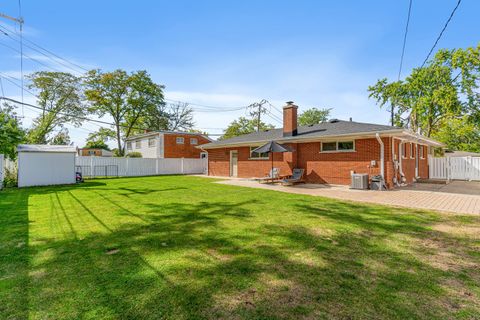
column 233, row 163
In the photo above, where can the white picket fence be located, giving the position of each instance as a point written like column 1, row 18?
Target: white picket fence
column 130, row 167
column 454, row 168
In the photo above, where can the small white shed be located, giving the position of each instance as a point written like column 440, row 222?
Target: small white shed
column 42, row 165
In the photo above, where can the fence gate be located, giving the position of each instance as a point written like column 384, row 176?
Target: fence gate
column 455, row 168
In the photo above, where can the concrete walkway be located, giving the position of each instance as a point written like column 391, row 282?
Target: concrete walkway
column 456, row 197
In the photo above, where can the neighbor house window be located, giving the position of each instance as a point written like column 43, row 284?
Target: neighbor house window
column 151, row 142
column 254, row 155
column 129, row 146
column 193, row 141
column 91, row 152
column 180, row 140
column 138, row 144
column 412, row 150
column 338, row 146
column 404, row 150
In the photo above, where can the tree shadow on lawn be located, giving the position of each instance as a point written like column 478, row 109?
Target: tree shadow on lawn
column 209, row 260
column 14, row 254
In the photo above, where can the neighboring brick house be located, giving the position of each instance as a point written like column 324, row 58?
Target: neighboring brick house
column 167, row 144
column 97, row 152
column 329, row 152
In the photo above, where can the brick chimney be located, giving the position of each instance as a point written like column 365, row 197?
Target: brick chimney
column 290, row 119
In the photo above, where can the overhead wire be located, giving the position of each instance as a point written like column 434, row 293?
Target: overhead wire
column 405, row 39
column 441, row 32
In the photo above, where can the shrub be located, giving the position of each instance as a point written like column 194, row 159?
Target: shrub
column 10, row 178
column 134, row 155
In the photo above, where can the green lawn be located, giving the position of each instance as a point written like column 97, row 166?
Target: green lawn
column 180, row 247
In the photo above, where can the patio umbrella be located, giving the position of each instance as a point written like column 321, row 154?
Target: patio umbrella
column 271, row 147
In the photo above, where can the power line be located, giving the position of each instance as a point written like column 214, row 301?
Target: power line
column 441, row 32
column 44, row 49
column 207, row 106
column 405, row 39
column 30, row 58
column 38, row 51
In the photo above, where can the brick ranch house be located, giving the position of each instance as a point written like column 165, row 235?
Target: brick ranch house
column 167, row 144
column 329, row 152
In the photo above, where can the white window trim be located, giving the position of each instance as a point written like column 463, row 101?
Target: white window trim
column 154, row 142
column 337, row 151
column 422, row 154
column 196, row 141
column 412, row 148
column 404, row 151
column 129, row 145
column 176, row 140
column 138, row 144
column 257, row 158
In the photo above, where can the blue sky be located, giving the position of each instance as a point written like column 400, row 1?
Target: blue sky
column 232, row 53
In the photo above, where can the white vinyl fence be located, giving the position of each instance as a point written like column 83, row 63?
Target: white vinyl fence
column 130, row 167
column 454, row 168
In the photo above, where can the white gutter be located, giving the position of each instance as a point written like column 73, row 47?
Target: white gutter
column 382, row 156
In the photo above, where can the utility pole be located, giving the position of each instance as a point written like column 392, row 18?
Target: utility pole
column 256, row 111
column 392, row 111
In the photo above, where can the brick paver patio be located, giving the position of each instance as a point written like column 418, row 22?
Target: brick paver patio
column 457, row 197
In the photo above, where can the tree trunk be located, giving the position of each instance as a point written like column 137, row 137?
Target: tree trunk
column 119, row 141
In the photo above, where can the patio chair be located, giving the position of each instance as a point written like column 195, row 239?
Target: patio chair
column 296, row 177
column 273, row 175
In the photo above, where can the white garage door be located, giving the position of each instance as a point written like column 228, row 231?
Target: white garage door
column 45, row 168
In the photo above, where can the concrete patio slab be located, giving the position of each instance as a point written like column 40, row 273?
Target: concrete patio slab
column 457, row 197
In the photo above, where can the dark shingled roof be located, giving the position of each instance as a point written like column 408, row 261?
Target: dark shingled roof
column 324, row 129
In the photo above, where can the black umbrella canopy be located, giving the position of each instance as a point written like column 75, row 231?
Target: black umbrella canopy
column 271, row 146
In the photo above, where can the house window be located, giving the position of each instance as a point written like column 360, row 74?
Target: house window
column 412, row 150
column 151, row 142
column 421, row 150
column 180, row 140
column 404, row 150
column 129, row 146
column 338, row 146
column 254, row 155
column 91, row 152
column 193, row 141
column 138, row 144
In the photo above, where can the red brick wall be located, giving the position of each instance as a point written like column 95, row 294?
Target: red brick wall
column 85, row 152
column 408, row 163
column 219, row 163
column 186, row 150
column 335, row 167
column 320, row 167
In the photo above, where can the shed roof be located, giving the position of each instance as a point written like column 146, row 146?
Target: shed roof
column 45, row 148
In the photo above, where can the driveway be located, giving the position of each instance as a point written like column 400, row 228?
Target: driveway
column 457, row 197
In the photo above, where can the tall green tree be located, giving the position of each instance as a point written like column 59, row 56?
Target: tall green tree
column 59, row 95
column 460, row 134
column 11, row 132
column 443, row 92
column 313, row 116
column 99, row 138
column 243, row 126
column 126, row 98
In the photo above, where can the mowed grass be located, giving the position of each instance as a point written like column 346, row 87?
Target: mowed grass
column 178, row 247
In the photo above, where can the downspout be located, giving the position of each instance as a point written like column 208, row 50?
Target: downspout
column 400, row 157
column 382, row 156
